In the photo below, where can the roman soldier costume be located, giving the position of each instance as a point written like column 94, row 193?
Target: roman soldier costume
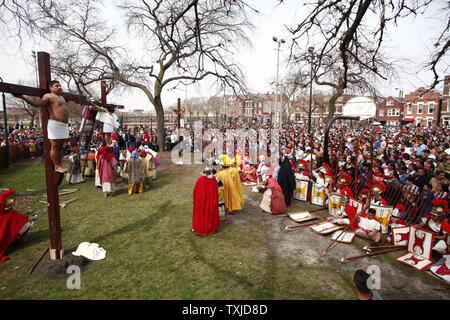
column 376, row 188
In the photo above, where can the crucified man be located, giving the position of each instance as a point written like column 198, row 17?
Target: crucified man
column 57, row 127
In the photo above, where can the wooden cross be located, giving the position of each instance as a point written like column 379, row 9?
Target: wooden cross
column 53, row 179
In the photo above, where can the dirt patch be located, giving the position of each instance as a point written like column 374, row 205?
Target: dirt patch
column 58, row 268
column 303, row 247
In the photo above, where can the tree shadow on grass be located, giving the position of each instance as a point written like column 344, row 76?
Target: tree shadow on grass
column 240, row 280
column 145, row 223
column 30, row 239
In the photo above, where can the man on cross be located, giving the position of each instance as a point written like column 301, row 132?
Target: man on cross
column 57, row 128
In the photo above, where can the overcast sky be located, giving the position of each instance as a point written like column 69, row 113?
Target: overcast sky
column 412, row 41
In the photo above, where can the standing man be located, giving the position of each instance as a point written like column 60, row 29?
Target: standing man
column 57, row 128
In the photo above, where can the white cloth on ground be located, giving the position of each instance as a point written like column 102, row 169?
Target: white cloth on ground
column 91, row 251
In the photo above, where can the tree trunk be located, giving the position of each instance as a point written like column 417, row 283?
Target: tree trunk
column 160, row 123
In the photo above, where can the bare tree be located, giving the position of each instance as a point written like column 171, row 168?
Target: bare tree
column 181, row 40
column 216, row 106
column 350, row 55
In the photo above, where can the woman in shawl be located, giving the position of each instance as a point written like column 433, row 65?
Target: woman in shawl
column 286, row 180
column 134, row 168
column 106, row 171
column 273, row 198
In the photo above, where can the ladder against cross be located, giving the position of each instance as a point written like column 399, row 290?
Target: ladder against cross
column 53, row 179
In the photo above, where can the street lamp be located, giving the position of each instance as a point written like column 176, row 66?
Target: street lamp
column 277, row 109
column 311, row 52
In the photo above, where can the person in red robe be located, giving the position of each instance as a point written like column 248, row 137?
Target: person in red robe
column 106, row 164
column 249, row 173
column 13, row 225
column 205, row 217
column 343, row 182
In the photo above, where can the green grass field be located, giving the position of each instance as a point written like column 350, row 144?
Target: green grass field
column 151, row 252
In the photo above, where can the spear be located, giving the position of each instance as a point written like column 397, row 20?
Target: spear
column 344, row 260
column 288, row 228
column 372, row 249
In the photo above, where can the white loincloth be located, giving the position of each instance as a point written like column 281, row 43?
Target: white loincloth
column 57, row 130
column 107, row 128
column 109, row 118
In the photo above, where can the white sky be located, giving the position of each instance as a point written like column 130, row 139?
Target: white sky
column 411, row 41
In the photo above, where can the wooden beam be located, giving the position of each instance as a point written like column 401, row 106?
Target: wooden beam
column 39, row 92
column 53, row 179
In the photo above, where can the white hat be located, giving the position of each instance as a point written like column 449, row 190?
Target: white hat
column 396, row 213
column 91, row 251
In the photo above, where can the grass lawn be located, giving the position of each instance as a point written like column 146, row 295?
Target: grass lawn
column 151, row 252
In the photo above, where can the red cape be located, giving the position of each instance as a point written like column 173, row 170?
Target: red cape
column 351, row 213
column 11, row 222
column 205, row 218
column 446, row 226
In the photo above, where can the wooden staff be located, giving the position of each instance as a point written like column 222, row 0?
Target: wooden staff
column 371, row 160
column 371, row 249
column 343, row 260
column 333, row 241
column 300, row 226
column 419, row 203
column 309, row 211
column 339, row 155
column 355, row 186
column 38, row 260
column 309, row 193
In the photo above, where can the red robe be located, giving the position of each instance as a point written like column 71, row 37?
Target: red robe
column 205, row 218
column 11, row 222
column 351, row 213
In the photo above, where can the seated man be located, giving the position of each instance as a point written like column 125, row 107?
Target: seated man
column 376, row 188
column 395, row 221
column 345, row 214
column 434, row 223
column 369, row 227
column 249, row 172
column 13, row 225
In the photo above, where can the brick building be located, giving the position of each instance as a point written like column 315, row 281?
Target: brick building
column 421, row 108
column 445, row 111
column 389, row 111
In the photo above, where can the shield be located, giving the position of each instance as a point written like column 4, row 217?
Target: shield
column 345, row 237
column 318, row 197
column 301, row 190
column 301, row 216
column 383, row 213
column 326, row 227
column 400, row 236
column 358, row 205
column 334, row 202
column 420, row 243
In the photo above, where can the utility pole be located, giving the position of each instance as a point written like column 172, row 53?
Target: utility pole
column 277, row 108
column 311, row 52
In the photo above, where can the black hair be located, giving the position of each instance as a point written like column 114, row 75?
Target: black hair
column 360, row 279
column 372, row 210
column 52, row 82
